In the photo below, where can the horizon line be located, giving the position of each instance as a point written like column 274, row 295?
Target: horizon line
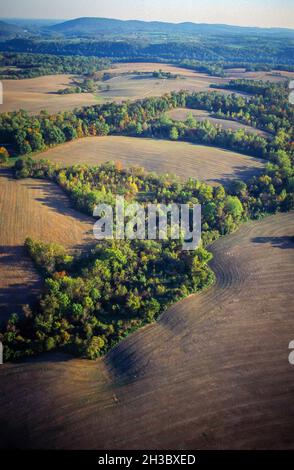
column 146, row 21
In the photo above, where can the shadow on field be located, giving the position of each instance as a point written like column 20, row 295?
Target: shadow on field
column 54, row 198
column 13, row 259
column 12, row 438
column 6, row 173
column 276, row 242
column 243, row 173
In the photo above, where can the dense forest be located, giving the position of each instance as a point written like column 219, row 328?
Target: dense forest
column 17, row 66
column 271, row 50
column 14, row 65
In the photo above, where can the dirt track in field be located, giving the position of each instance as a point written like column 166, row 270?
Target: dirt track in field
column 212, row 373
column 210, row 164
column 38, row 209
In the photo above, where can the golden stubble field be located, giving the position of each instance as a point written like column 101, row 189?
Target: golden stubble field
column 128, row 84
column 37, row 209
column 212, row 373
column 231, row 73
column 274, row 76
column 36, row 94
column 210, row 164
column 39, row 93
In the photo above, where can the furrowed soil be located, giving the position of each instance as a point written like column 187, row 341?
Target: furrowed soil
column 212, row 373
column 37, row 209
column 210, row 164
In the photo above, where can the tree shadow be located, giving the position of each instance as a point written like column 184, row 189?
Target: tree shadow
column 244, row 173
column 21, row 283
column 25, row 288
column 6, row 173
column 54, row 198
column 277, row 242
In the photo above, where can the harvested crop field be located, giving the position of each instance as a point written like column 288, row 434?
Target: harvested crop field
column 132, row 87
column 36, row 94
column 232, row 73
column 212, row 373
column 37, row 209
column 181, row 114
column 128, row 83
column 134, row 67
column 273, row 76
column 210, row 164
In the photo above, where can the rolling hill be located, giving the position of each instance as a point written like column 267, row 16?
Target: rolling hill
column 9, row 31
column 97, row 26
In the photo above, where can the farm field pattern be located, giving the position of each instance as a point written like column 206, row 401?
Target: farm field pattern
column 213, row 371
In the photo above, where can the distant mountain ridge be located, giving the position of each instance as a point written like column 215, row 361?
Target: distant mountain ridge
column 95, row 26
column 8, row 30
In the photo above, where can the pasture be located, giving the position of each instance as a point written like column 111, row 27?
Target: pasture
column 210, row 164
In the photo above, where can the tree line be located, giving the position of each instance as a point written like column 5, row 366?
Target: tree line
column 270, row 111
column 213, row 49
column 19, row 65
column 27, row 65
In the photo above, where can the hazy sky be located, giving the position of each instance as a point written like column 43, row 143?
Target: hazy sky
column 241, row 12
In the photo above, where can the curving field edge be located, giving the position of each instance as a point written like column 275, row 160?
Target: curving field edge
column 213, row 372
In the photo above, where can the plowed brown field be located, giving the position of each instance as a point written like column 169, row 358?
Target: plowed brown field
column 38, row 209
column 212, row 373
column 210, row 164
